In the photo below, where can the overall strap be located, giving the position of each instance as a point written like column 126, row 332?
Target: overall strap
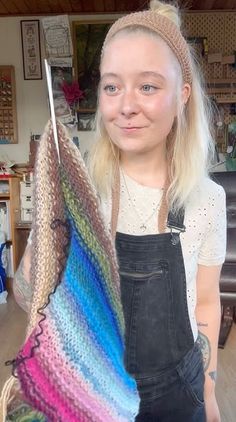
column 175, row 222
column 115, row 198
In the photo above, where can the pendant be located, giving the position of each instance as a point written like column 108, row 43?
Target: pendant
column 143, row 227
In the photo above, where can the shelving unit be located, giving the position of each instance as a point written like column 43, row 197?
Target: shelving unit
column 12, row 194
column 222, row 89
column 8, row 120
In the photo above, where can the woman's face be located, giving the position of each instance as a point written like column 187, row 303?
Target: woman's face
column 138, row 92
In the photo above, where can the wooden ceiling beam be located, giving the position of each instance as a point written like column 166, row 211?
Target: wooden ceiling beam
column 3, row 9
column 121, row 5
column 10, row 6
column 226, row 4
column 22, row 6
column 65, row 6
column 202, row 4
column 44, row 7
column 36, row 7
column 98, row 6
column 56, row 7
column 109, row 6
column 77, row 6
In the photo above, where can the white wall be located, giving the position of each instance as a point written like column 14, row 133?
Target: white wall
column 31, row 96
column 32, row 111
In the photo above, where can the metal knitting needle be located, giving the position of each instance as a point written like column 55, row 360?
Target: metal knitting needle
column 51, row 103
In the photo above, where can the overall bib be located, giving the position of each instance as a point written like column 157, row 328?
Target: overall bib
column 160, row 350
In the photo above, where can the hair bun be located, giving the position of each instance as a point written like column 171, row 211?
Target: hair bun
column 167, row 10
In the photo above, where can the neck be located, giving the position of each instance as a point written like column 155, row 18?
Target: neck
column 148, row 171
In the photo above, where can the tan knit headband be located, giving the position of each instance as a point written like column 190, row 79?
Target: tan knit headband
column 164, row 27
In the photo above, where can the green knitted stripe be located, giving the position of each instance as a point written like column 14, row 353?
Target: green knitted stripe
column 93, row 246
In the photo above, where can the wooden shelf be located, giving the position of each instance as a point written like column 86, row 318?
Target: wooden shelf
column 14, row 212
column 222, row 89
column 23, row 226
column 226, row 100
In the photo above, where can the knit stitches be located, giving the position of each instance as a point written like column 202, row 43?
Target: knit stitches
column 71, row 366
column 165, row 28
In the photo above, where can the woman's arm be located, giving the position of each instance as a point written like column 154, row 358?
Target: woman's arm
column 208, row 314
column 22, row 288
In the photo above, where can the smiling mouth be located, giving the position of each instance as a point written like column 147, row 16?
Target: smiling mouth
column 131, row 128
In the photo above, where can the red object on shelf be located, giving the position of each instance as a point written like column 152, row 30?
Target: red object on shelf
column 6, row 176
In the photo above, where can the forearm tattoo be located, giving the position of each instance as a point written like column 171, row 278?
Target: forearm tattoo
column 205, row 347
column 213, row 375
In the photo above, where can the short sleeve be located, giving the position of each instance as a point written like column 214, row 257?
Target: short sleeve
column 213, row 248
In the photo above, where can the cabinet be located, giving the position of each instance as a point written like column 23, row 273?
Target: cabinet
column 10, row 191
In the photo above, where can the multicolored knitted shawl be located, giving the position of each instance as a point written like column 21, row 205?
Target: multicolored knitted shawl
column 71, row 366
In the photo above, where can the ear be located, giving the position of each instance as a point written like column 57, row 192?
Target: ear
column 186, row 91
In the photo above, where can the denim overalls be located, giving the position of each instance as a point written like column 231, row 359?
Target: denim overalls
column 160, row 350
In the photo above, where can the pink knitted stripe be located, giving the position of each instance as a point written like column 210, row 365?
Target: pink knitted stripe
column 77, row 387
column 47, row 383
column 46, row 390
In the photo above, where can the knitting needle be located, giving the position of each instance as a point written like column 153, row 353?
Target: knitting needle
column 51, row 103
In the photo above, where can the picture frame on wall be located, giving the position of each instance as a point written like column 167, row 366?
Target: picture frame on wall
column 88, row 38
column 31, row 49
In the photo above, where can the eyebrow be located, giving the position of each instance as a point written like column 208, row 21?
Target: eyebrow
column 109, row 75
column 151, row 73
column 145, row 74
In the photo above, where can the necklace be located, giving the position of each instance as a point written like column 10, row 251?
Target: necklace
column 143, row 226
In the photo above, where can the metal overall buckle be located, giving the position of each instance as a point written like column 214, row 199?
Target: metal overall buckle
column 175, row 234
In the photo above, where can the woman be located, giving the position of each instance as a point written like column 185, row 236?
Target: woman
column 167, row 217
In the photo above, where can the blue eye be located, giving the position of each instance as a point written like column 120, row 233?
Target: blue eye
column 148, row 88
column 110, row 89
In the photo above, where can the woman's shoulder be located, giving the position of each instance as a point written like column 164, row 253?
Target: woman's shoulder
column 207, row 197
column 208, row 190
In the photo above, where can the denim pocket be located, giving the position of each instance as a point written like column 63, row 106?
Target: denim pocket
column 193, row 380
column 148, row 310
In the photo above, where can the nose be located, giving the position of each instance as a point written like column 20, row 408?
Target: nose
column 129, row 104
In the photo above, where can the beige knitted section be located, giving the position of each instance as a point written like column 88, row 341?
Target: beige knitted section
column 165, row 28
column 46, row 242
column 49, row 244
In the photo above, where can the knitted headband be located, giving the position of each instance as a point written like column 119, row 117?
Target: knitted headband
column 164, row 27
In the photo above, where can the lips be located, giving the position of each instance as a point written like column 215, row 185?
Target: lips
column 131, row 129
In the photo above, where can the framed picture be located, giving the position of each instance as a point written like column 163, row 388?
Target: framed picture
column 88, row 39
column 30, row 37
column 57, row 36
column 62, row 108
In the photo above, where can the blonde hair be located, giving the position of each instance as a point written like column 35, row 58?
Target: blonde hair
column 189, row 145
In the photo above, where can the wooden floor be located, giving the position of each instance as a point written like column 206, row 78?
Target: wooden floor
column 12, row 327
